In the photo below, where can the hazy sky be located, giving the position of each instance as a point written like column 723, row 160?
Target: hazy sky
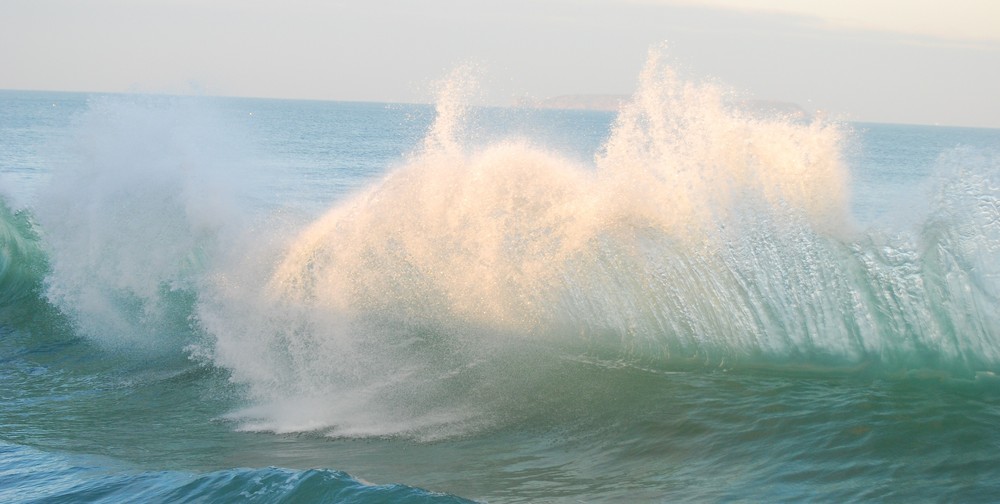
column 917, row 61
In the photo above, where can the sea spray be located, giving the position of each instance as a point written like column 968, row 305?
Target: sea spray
column 684, row 160
column 440, row 298
column 134, row 216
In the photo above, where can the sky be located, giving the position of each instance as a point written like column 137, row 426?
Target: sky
column 898, row 61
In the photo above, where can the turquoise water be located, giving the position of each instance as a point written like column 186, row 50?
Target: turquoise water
column 213, row 300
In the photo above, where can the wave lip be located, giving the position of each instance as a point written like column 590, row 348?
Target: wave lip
column 22, row 262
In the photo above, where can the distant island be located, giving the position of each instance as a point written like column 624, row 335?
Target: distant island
column 609, row 102
column 613, row 102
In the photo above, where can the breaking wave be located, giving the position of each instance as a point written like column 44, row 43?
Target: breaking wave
column 472, row 287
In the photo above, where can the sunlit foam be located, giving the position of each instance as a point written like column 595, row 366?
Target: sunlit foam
column 464, row 265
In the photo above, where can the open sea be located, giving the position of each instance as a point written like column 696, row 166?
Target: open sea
column 246, row 300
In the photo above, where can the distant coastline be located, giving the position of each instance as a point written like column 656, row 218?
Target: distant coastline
column 613, row 102
column 605, row 102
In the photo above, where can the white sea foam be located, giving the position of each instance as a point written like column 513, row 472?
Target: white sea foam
column 133, row 216
column 437, row 288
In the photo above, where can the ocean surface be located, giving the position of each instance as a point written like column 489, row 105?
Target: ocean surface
column 246, row 300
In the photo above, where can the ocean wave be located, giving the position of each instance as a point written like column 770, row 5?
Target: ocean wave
column 470, row 283
column 702, row 237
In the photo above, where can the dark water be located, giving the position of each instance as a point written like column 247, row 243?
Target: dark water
column 223, row 299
